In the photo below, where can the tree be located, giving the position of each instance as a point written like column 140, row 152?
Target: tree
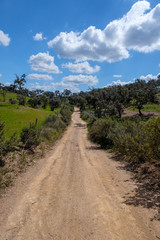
column 54, row 103
column 44, row 101
column 20, row 81
column 3, row 91
column 66, row 93
column 142, row 93
column 34, row 102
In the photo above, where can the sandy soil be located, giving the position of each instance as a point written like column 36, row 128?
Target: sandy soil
column 77, row 192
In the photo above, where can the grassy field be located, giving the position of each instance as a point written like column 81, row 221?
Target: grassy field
column 16, row 117
column 10, row 95
column 152, row 107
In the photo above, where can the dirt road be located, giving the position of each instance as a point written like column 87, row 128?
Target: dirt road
column 75, row 193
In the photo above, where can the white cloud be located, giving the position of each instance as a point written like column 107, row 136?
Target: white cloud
column 83, row 67
column 149, row 77
column 0, row 75
column 43, row 77
column 7, row 84
column 138, row 30
column 64, row 85
column 117, row 76
column 70, row 82
column 43, row 62
column 38, row 37
column 81, row 79
column 53, row 86
column 118, row 82
column 4, row 39
column 36, row 85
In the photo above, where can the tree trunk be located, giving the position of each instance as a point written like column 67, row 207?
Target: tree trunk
column 140, row 113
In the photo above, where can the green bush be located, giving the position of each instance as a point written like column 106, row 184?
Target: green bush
column 59, row 125
column 129, row 139
column 21, row 99
column 139, row 141
column 49, row 122
column 152, row 132
column 12, row 101
column 6, row 145
column 88, row 116
column 66, row 114
column 49, row 133
column 30, row 136
column 100, row 132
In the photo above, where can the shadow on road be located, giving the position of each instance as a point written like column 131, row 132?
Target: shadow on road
column 147, row 192
column 80, row 125
column 94, row 147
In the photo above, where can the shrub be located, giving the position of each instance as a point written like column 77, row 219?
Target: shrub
column 21, row 100
column 100, row 132
column 88, row 116
column 12, row 101
column 54, row 103
column 49, row 133
column 152, row 132
column 66, row 114
column 34, row 102
column 2, row 144
column 59, row 125
column 6, row 145
column 50, row 120
column 138, row 141
column 30, row 136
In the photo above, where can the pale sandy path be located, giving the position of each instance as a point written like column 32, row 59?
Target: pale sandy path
column 75, row 193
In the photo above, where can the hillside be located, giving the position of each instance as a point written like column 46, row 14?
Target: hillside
column 16, row 117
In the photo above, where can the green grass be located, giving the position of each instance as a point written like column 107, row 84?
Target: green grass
column 150, row 107
column 16, row 117
column 10, row 95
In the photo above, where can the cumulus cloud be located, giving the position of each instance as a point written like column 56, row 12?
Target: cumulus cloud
column 118, row 82
column 4, row 39
column 36, row 85
column 43, row 77
column 117, row 76
column 138, row 30
column 81, row 79
column 83, row 67
column 38, row 37
column 63, row 85
column 53, row 86
column 149, row 77
column 43, row 62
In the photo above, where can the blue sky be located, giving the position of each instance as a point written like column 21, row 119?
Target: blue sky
column 79, row 44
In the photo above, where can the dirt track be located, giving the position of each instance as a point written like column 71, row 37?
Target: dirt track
column 75, row 193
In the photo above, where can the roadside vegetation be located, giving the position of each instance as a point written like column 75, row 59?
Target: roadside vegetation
column 120, row 118
column 137, row 137
column 30, row 123
column 125, row 120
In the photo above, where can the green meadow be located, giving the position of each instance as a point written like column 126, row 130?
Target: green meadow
column 150, row 107
column 16, row 117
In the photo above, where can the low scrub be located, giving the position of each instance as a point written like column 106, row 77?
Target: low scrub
column 100, row 132
column 66, row 113
column 6, row 145
column 30, row 136
column 139, row 141
column 88, row 116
